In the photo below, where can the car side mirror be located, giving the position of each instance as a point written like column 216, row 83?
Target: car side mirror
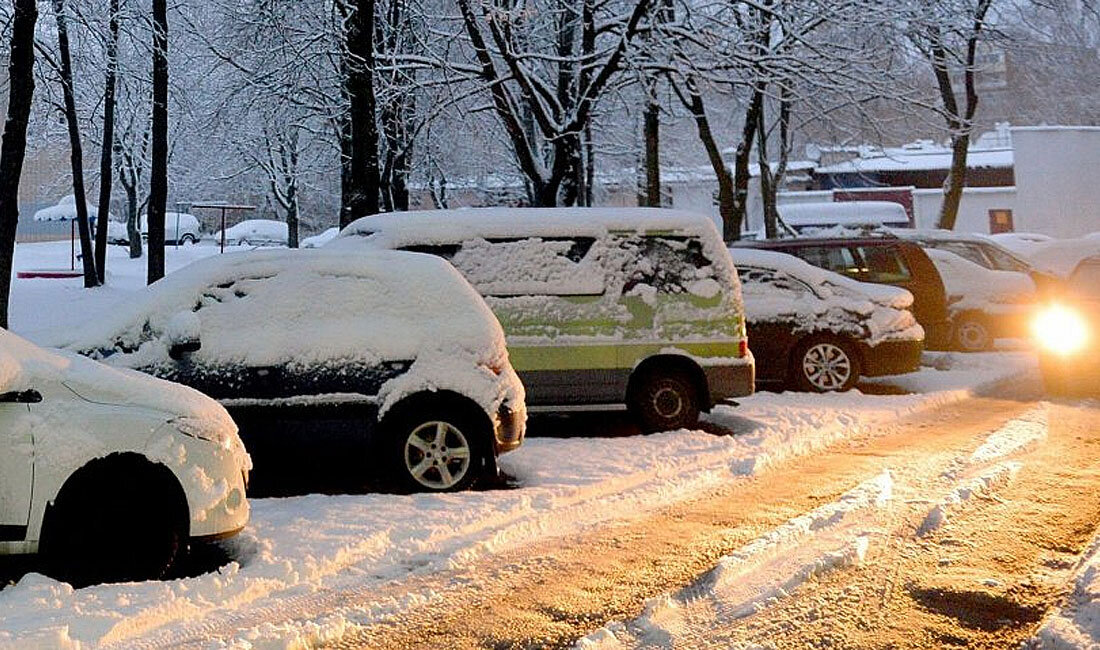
column 29, row 396
column 181, row 349
column 183, row 335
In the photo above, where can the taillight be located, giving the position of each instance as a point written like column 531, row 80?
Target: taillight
column 743, row 347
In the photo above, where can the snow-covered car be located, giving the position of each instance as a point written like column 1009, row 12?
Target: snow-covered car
column 1021, row 243
column 980, row 250
column 179, row 228
column 320, row 239
column 816, row 330
column 256, row 232
column 383, row 366
column 983, row 304
column 1061, row 256
column 108, row 473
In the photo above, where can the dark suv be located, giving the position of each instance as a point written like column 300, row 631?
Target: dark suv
column 881, row 260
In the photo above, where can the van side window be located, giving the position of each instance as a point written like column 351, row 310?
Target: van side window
column 668, row 264
column 883, row 264
column 531, row 266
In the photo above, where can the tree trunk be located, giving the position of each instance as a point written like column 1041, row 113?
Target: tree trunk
column 731, row 226
column 359, row 84
column 14, row 146
column 133, row 227
column 652, row 129
column 292, row 217
column 344, row 126
column 106, row 164
column 768, row 188
column 955, row 182
column 158, row 175
column 741, row 174
column 91, row 278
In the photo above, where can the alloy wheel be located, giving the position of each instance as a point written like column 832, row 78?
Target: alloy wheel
column 437, row 455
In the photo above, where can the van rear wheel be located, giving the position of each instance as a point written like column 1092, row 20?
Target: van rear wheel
column 664, row 401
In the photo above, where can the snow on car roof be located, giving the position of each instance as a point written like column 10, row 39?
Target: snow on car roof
column 977, row 286
column 818, row 277
column 1062, row 255
column 843, row 213
column 451, row 226
column 283, row 306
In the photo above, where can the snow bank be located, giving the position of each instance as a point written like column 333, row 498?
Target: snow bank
column 1076, row 625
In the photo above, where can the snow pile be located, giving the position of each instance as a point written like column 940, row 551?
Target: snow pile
column 831, row 536
column 971, row 287
column 320, row 239
column 782, row 288
column 1077, row 623
column 981, row 484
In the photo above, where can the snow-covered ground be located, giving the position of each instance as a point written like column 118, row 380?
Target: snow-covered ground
column 303, row 559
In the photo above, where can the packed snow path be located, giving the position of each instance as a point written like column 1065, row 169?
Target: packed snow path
column 823, row 550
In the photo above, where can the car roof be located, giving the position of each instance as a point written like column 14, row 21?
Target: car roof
column 449, row 226
column 878, row 240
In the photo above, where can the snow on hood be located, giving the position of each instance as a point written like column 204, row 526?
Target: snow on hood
column 24, row 365
column 268, row 228
column 455, row 226
column 972, row 286
column 279, row 307
column 825, row 283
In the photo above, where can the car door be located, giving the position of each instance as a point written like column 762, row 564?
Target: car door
column 770, row 305
column 17, row 419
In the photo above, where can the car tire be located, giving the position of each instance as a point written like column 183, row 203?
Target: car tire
column 188, row 239
column 664, row 400
column 436, row 448
column 824, row 364
column 242, row 242
column 972, row 333
column 113, row 528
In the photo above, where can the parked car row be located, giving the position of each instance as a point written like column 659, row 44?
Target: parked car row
column 406, row 352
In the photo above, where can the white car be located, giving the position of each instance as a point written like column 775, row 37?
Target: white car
column 319, row 239
column 110, row 474
column 255, row 232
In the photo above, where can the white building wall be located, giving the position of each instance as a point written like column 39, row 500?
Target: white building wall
column 973, row 209
column 1058, row 180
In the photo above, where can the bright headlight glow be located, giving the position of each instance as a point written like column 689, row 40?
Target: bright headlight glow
column 1061, row 330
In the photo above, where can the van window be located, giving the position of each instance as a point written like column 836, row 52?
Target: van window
column 964, row 250
column 883, row 265
column 671, row 265
column 530, row 267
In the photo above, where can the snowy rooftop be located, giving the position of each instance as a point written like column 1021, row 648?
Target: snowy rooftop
column 922, row 157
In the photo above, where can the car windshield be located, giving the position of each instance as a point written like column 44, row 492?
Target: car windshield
column 1085, row 281
column 1005, row 261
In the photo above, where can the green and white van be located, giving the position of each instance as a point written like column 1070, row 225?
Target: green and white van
column 601, row 307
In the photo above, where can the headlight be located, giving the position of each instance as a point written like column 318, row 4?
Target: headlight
column 1060, row 330
column 203, row 429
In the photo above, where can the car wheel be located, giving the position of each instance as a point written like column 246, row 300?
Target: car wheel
column 437, row 450
column 664, row 401
column 242, row 242
column 972, row 334
column 824, row 365
column 112, row 529
column 188, row 239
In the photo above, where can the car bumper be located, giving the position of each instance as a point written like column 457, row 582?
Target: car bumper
column 727, row 382
column 511, row 427
column 891, row 358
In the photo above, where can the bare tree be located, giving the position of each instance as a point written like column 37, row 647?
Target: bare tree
column 14, row 145
column 947, row 33
column 106, row 166
column 65, row 70
column 363, row 169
